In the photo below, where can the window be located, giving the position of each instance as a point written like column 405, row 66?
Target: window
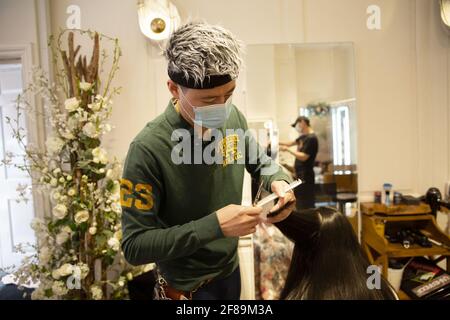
column 341, row 135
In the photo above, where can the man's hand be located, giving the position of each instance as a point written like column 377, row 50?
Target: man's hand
column 283, row 148
column 278, row 188
column 237, row 221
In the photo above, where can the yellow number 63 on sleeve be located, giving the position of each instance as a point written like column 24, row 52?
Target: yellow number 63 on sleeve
column 144, row 190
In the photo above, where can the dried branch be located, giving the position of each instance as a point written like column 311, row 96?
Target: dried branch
column 68, row 72
column 71, row 58
column 92, row 70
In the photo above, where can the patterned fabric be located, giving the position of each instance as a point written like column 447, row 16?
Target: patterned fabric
column 273, row 253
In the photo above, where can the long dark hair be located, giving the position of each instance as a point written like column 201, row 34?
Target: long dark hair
column 327, row 263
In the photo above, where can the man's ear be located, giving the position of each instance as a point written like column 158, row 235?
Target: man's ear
column 173, row 88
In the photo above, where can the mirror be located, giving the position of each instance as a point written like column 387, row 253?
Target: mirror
column 285, row 81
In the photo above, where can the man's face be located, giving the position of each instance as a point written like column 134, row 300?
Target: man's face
column 303, row 126
column 206, row 97
column 201, row 97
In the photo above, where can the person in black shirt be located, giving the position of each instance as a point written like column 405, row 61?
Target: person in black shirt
column 305, row 156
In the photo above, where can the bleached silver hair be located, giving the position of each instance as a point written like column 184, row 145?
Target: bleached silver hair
column 198, row 50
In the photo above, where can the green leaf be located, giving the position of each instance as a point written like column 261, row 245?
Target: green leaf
column 110, row 185
column 100, row 239
column 90, row 143
column 83, row 227
column 49, row 293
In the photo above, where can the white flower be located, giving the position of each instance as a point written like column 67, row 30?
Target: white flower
column 59, row 288
column 114, row 243
column 118, row 234
column 53, row 182
column 92, row 230
column 81, row 216
column 72, row 104
column 84, row 270
column 100, row 155
column 114, row 173
column 62, row 180
column 90, row 130
column 67, row 135
column 107, row 127
column 129, row 276
column 97, row 293
column 115, row 206
column 62, row 237
column 82, row 115
column 54, row 145
column 71, row 191
column 60, row 211
column 38, row 294
column 72, row 123
column 66, row 269
column 57, row 171
column 63, row 271
column 69, row 178
column 37, row 224
column 115, row 192
column 44, row 255
column 95, row 106
column 66, row 229
column 85, row 86
column 55, row 274
column 56, row 195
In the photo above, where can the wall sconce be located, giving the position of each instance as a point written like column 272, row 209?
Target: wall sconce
column 445, row 12
column 157, row 18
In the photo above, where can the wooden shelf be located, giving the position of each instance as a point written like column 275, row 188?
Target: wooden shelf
column 370, row 208
column 403, row 296
column 376, row 223
column 396, row 250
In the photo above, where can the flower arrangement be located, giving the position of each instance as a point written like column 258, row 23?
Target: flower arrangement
column 318, row 109
column 77, row 255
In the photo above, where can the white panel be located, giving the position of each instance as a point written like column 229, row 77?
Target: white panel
column 5, row 238
column 20, row 215
column 15, row 217
column 10, row 78
column 246, row 264
column 8, row 109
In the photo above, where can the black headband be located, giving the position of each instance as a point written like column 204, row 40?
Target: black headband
column 208, row 83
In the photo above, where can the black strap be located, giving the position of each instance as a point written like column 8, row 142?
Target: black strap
column 208, row 83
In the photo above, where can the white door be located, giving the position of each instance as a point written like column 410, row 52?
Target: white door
column 15, row 218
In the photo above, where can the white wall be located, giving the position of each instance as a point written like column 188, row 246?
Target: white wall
column 261, row 97
column 325, row 73
column 395, row 67
column 287, row 97
column 24, row 27
column 401, row 73
column 12, row 12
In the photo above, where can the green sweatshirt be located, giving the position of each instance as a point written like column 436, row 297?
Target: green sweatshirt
column 169, row 209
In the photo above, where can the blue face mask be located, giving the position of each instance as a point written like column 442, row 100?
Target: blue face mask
column 212, row 116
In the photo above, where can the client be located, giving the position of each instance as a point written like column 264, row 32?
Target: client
column 327, row 263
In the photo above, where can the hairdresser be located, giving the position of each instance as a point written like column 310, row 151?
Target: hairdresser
column 307, row 146
column 187, row 217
